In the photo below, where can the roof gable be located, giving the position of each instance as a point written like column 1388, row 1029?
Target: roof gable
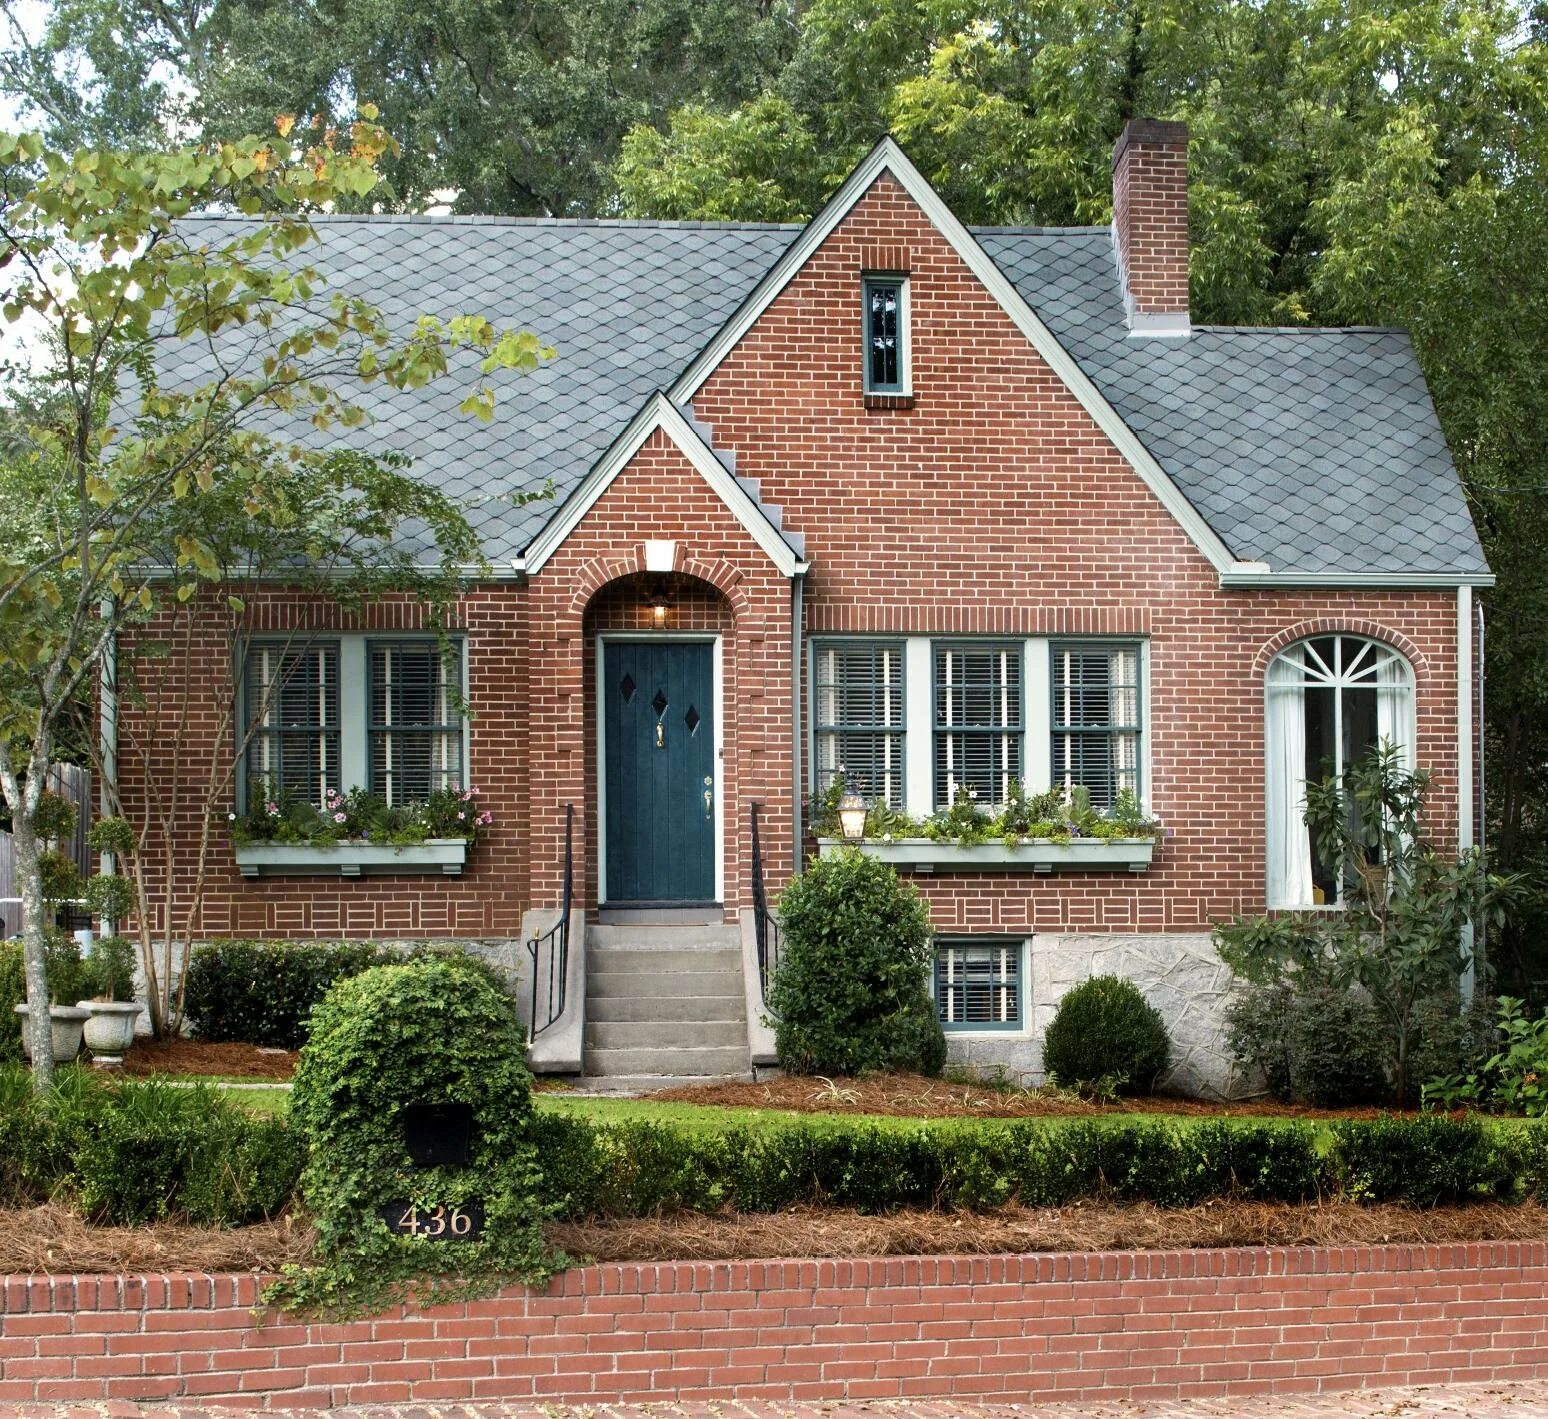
column 887, row 157
column 660, row 413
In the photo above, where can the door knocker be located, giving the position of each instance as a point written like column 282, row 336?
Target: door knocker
column 660, row 735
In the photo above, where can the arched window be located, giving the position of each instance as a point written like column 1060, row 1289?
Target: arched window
column 1331, row 699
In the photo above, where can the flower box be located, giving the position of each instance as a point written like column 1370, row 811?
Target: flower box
column 1031, row 855
column 351, row 859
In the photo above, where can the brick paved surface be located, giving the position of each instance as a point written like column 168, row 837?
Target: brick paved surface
column 1487, row 1401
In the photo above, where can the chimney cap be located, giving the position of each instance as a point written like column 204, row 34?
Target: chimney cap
column 1153, row 132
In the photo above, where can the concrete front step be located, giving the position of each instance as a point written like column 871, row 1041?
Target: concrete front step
column 602, row 984
column 667, row 1008
column 674, row 960
column 655, row 937
column 679, row 1063
column 665, row 1034
column 651, row 1083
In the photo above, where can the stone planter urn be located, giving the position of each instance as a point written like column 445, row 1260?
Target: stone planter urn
column 68, row 1021
column 110, row 1029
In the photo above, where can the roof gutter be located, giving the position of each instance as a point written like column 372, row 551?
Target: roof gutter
column 1397, row 581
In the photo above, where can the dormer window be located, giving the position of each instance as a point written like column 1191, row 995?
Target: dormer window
column 886, row 334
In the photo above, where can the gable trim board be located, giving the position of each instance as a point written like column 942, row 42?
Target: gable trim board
column 659, row 412
column 888, row 157
column 1400, row 581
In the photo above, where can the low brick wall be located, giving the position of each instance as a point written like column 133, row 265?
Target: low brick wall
column 1130, row 1325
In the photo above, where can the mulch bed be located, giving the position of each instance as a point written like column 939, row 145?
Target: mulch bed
column 914, row 1096
column 53, row 1239
column 183, row 1056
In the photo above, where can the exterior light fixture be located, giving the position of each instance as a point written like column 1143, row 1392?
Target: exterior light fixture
column 851, row 812
column 658, row 613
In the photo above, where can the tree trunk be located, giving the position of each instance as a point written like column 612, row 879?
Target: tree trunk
column 29, row 884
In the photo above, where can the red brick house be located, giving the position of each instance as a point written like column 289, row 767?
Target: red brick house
column 941, row 508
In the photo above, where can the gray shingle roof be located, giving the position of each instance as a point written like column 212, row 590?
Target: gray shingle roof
column 1315, row 451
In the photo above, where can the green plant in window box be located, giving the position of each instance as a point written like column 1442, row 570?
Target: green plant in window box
column 283, row 816
column 1053, row 815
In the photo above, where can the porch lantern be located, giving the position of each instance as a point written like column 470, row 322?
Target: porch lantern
column 851, row 812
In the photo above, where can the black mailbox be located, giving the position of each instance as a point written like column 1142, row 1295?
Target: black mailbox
column 438, row 1135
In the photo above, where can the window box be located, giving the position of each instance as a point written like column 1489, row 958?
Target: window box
column 1034, row 855
column 444, row 855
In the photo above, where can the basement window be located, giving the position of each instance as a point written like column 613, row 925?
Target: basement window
column 978, row 984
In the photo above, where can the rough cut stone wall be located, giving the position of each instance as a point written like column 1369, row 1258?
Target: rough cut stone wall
column 1177, row 972
column 1116, row 1326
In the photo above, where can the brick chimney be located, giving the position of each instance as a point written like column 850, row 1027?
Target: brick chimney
column 1150, row 224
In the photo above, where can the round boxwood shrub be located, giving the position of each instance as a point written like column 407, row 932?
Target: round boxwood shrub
column 851, row 991
column 426, row 1032
column 1105, row 1032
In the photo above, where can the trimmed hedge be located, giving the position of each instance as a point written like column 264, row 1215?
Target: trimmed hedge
column 264, row 992
column 128, row 1153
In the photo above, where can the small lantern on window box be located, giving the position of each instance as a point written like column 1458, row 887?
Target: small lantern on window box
column 851, row 813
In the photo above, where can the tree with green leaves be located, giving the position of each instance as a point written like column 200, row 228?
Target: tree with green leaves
column 151, row 490
column 509, row 106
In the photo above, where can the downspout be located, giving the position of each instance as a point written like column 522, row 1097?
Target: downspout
column 1466, row 759
column 107, row 741
column 1480, row 818
column 797, row 587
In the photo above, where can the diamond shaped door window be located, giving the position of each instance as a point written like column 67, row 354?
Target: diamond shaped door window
column 659, row 704
column 691, row 719
column 626, row 687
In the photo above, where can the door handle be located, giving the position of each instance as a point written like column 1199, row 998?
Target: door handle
column 660, row 735
column 709, row 802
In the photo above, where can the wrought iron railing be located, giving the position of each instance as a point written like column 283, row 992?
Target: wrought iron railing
column 554, row 944
column 765, row 923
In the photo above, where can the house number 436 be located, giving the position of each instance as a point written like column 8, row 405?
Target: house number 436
column 408, row 1219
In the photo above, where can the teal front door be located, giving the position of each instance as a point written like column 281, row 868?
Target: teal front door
column 659, row 788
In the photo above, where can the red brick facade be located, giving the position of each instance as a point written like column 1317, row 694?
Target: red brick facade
column 1084, row 1327
column 989, row 501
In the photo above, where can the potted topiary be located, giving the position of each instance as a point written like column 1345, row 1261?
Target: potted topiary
column 112, row 1009
column 62, row 956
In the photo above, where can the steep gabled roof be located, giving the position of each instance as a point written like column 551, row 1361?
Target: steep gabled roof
column 1317, row 453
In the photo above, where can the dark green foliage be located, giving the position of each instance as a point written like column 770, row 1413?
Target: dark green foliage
column 108, row 973
column 13, row 992
column 263, row 992
column 1317, row 1044
column 1423, row 1161
column 128, row 1153
column 1106, row 1032
column 851, row 993
column 424, row 1031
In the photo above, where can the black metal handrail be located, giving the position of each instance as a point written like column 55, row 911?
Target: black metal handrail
column 557, row 941
column 765, row 923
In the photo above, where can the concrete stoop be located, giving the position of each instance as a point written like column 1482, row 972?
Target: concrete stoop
column 665, row 1005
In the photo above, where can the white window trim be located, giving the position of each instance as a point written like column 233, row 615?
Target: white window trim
column 1036, row 713
column 1409, row 746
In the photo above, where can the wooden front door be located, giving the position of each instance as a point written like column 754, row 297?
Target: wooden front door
column 658, row 783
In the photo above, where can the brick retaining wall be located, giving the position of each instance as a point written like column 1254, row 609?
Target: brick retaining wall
column 1126, row 1325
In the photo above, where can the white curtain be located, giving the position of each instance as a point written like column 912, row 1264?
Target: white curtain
column 1289, row 842
column 1394, row 706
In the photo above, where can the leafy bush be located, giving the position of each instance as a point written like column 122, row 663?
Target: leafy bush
column 1398, row 945
column 13, row 992
column 263, row 992
column 129, row 1153
column 851, row 991
column 425, row 1031
column 1514, row 1079
column 1424, row 1161
column 1316, row 1044
column 1106, row 1031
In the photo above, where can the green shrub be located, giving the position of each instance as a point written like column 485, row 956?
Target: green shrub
column 108, row 973
column 1422, row 1161
column 851, row 992
column 262, row 992
column 426, row 1031
column 1315, row 1044
column 1105, row 1031
column 130, row 1153
column 13, row 992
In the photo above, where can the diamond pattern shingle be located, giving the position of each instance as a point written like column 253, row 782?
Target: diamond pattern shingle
column 1312, row 450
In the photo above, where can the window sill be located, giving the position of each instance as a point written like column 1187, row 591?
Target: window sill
column 443, row 855
column 1035, row 855
column 889, row 401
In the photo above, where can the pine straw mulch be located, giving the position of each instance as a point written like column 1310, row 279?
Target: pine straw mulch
column 53, row 1239
column 233, row 1061
column 914, row 1096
